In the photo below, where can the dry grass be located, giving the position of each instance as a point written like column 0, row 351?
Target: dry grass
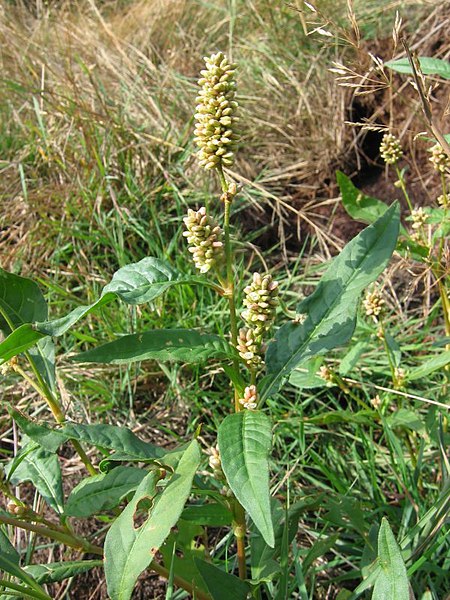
column 98, row 96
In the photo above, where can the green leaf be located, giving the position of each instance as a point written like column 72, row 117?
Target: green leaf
column 100, row 435
column 394, row 349
column 7, row 549
column 21, row 303
column 103, row 492
column 211, row 515
column 221, row 585
column 136, row 283
column 263, row 557
column 429, row 66
column 160, row 344
column 112, row 437
column 350, row 360
column 306, row 376
column 32, row 589
column 42, row 468
column 429, row 366
column 359, row 206
column 47, row 437
column 58, row 571
column 129, row 547
column 405, row 418
column 331, row 309
column 392, row 580
column 245, row 440
column 181, row 548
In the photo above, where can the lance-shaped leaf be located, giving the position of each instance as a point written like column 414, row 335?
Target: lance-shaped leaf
column 22, row 303
column 100, row 435
column 185, row 345
column 29, row 589
column 222, row 585
column 428, row 66
column 51, row 572
column 358, row 205
column 392, row 580
column 112, row 437
column 103, row 492
column 330, row 311
column 131, row 546
column 42, row 468
column 245, row 440
column 136, row 283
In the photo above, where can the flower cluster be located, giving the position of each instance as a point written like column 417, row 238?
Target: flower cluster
column 399, row 377
column 204, row 236
column 373, row 304
column 390, row 149
column 418, row 217
column 215, row 131
column 326, row 374
column 439, row 159
column 260, row 301
column 250, row 399
column 215, row 463
column 249, row 347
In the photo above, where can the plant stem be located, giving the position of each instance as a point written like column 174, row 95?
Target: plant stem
column 403, row 188
column 65, row 538
column 81, row 544
column 44, row 391
column 31, row 593
column 239, row 525
column 239, row 532
column 229, row 289
column 180, row 582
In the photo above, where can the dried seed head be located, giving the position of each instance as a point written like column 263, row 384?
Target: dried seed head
column 373, row 304
column 250, row 399
column 216, row 120
column 390, row 149
column 204, row 237
column 439, row 159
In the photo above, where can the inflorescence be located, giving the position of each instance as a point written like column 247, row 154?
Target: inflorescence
column 390, row 149
column 204, row 237
column 215, row 131
column 260, row 302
